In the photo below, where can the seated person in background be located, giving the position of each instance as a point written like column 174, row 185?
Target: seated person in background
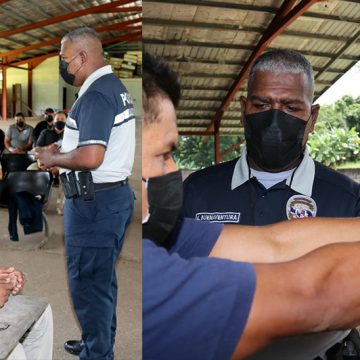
column 55, row 133
column 47, row 123
column 38, row 342
column 18, row 136
column 47, row 137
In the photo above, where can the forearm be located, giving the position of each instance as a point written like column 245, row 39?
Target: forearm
column 72, row 160
column 318, row 292
column 246, row 243
column 7, row 144
column 82, row 158
column 283, row 241
column 296, row 238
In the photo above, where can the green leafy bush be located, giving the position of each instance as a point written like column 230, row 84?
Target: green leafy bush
column 334, row 146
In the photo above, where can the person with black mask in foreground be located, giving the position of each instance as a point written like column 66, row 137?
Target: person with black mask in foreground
column 47, row 123
column 201, row 300
column 275, row 178
column 18, row 136
column 55, row 133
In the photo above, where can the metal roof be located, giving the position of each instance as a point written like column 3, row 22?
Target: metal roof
column 31, row 30
column 211, row 43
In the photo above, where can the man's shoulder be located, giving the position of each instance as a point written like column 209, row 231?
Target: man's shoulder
column 110, row 88
column 223, row 170
column 10, row 127
column 41, row 124
column 47, row 132
column 335, row 180
column 106, row 83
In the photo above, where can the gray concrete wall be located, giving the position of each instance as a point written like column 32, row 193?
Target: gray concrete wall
column 351, row 173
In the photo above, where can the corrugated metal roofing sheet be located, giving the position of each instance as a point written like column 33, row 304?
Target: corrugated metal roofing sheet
column 15, row 14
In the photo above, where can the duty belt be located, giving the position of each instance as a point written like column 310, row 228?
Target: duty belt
column 109, row 185
column 80, row 184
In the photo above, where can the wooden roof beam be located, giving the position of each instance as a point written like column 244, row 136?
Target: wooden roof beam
column 65, row 17
column 123, row 9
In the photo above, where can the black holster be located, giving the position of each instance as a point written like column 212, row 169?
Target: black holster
column 83, row 186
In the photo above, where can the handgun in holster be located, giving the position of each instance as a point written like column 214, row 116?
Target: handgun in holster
column 70, row 185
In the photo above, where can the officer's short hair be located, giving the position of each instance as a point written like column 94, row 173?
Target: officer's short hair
column 157, row 80
column 49, row 111
column 283, row 61
column 81, row 32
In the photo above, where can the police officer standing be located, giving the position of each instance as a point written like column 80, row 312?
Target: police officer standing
column 96, row 158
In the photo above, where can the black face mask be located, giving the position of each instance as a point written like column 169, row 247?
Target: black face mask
column 68, row 78
column 274, row 138
column 165, row 196
column 49, row 118
column 60, row 125
column 20, row 124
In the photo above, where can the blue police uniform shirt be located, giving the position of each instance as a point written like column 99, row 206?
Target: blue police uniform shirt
column 103, row 114
column 227, row 193
column 194, row 307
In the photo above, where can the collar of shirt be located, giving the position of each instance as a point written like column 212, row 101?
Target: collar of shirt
column 94, row 76
column 301, row 180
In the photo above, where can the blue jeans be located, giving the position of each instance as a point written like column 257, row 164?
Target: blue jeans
column 94, row 233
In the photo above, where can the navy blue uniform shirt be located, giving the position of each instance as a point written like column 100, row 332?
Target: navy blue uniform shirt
column 225, row 193
column 103, row 114
column 194, row 307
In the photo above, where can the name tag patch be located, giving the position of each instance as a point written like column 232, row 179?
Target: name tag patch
column 220, row 217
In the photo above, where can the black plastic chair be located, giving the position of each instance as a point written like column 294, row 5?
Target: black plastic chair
column 3, row 194
column 15, row 162
column 36, row 183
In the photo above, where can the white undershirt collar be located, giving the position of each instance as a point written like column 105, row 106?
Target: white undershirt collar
column 302, row 180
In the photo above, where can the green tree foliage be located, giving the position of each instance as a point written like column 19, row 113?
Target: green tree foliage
column 335, row 146
column 336, row 136
column 194, row 152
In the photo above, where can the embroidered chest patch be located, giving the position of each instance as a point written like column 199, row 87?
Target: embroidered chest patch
column 300, row 206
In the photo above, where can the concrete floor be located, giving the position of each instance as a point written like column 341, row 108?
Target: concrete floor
column 46, row 274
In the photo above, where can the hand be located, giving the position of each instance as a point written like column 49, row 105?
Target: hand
column 15, row 279
column 45, row 155
column 20, row 282
column 5, row 275
column 54, row 170
column 14, row 150
column 5, row 290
